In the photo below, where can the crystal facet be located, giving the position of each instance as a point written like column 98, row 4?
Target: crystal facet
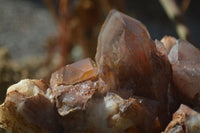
column 77, row 72
column 185, row 60
column 69, row 89
column 127, row 59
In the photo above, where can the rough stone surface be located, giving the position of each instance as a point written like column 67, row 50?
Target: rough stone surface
column 73, row 97
column 29, row 107
column 185, row 120
column 112, row 113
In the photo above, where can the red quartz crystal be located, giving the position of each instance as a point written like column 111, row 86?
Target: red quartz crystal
column 185, row 60
column 128, row 60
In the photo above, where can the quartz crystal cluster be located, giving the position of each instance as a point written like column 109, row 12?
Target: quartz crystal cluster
column 134, row 85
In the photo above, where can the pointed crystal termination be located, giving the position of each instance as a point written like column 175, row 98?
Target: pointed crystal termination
column 127, row 59
column 185, row 60
column 73, row 85
column 77, row 72
column 115, row 48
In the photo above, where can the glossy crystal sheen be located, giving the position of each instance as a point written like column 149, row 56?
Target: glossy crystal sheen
column 128, row 60
column 185, row 60
column 74, row 73
column 130, row 90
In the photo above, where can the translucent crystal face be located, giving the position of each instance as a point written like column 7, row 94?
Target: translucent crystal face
column 128, row 60
column 185, row 60
column 121, row 43
column 184, row 52
column 72, row 85
column 74, row 73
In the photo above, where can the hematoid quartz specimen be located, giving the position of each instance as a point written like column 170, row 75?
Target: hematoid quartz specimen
column 134, row 86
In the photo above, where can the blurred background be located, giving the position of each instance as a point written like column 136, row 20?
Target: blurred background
column 39, row 36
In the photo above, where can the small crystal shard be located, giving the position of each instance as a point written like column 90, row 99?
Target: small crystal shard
column 168, row 42
column 185, row 60
column 185, row 120
column 77, row 72
column 161, row 48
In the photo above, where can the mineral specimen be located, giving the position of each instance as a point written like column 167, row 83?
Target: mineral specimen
column 115, row 114
column 128, row 60
column 131, row 89
column 29, row 107
column 185, row 60
column 69, row 90
column 185, row 120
